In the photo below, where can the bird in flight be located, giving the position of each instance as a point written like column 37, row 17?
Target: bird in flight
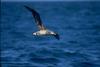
column 42, row 29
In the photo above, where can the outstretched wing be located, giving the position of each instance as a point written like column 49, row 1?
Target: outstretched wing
column 36, row 17
column 57, row 36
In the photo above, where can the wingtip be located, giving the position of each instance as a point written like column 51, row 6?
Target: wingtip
column 27, row 7
column 31, row 9
column 57, row 36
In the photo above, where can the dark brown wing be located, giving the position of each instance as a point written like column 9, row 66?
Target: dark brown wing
column 36, row 17
column 57, row 36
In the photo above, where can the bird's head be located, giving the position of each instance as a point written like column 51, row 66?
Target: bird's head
column 34, row 33
column 53, row 33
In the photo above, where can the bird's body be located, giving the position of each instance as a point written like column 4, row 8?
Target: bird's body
column 42, row 30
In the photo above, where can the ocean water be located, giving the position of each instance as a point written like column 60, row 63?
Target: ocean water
column 77, row 23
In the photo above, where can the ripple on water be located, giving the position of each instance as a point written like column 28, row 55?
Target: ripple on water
column 84, row 64
column 44, row 60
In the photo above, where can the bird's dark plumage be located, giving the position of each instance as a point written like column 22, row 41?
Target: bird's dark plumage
column 43, row 30
column 56, row 36
column 36, row 17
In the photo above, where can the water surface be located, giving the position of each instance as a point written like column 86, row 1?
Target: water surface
column 78, row 24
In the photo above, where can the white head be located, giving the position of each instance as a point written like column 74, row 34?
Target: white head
column 34, row 33
column 52, row 33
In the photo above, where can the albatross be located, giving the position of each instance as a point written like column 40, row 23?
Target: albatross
column 42, row 29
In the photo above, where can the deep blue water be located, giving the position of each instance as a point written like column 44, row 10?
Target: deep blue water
column 78, row 24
